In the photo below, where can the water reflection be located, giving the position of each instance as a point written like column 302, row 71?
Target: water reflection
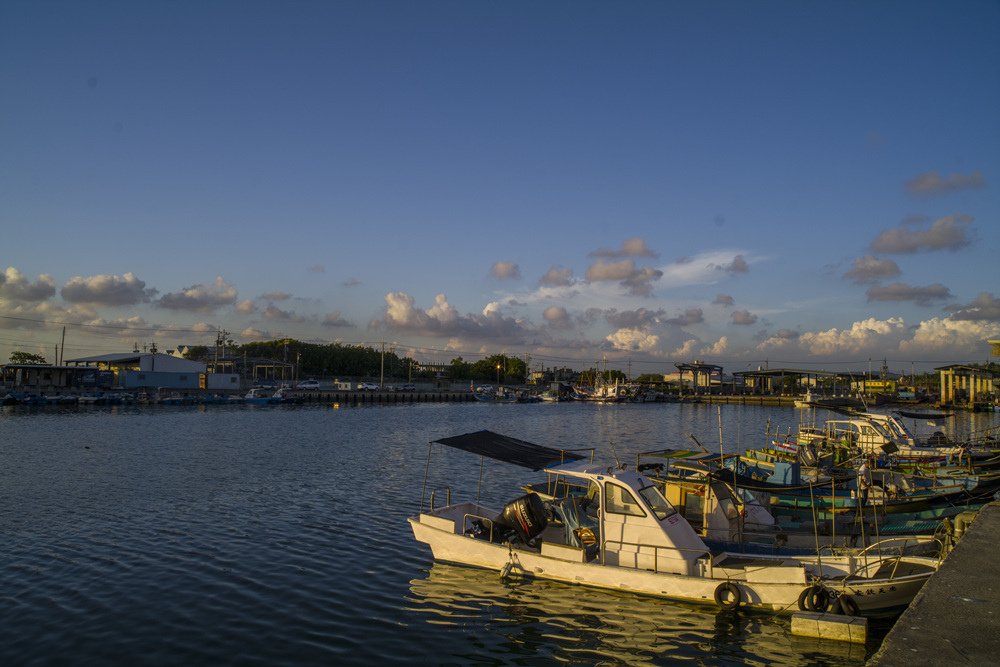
column 580, row 625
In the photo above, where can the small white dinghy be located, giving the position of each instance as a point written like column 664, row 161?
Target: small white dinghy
column 625, row 535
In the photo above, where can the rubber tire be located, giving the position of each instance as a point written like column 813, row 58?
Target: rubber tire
column 734, row 596
column 819, row 599
column 803, row 599
column 847, row 606
column 814, row 598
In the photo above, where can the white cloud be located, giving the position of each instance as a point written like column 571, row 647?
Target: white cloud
column 720, row 346
column 274, row 314
column 105, row 290
column 22, row 315
column 687, row 349
column 954, row 337
column 251, row 335
column 723, row 300
column 200, row 297
column 865, row 335
column 442, row 319
column 705, row 269
column 557, row 276
column 690, row 316
column 922, row 296
column 16, row 287
column 275, row 296
column 634, row 247
column 246, row 307
column 984, row 307
column 931, row 183
column 556, row 316
column 869, row 269
column 505, row 270
column 335, row 320
column 947, row 233
column 633, row 340
column 601, row 270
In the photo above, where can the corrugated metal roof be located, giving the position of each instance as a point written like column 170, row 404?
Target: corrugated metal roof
column 107, row 358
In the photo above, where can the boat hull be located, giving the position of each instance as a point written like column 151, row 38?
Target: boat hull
column 775, row 586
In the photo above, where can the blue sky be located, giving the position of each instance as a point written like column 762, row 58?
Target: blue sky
column 797, row 184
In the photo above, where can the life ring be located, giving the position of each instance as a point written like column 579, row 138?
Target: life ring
column 727, row 595
column 814, row 598
column 847, row 605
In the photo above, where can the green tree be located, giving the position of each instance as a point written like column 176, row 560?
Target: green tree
column 26, row 358
column 197, row 352
column 459, row 369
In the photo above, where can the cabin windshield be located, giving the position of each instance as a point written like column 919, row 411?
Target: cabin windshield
column 898, row 429
column 661, row 506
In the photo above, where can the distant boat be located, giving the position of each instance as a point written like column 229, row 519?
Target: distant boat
column 261, row 396
column 924, row 414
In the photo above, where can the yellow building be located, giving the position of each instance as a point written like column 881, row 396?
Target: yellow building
column 967, row 385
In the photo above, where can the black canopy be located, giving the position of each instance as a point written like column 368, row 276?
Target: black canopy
column 509, row 450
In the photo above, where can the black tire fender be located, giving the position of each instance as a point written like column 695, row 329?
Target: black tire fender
column 847, row 605
column 727, row 595
column 814, row 598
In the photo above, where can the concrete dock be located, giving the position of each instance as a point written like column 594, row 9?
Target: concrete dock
column 955, row 619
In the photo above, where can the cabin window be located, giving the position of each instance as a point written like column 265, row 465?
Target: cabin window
column 619, row 500
column 661, row 506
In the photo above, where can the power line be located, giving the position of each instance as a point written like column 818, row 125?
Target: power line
column 114, row 327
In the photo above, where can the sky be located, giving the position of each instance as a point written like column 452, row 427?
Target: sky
column 771, row 184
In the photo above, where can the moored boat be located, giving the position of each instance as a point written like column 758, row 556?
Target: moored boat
column 625, row 535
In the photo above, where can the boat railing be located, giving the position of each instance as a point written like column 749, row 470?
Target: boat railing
column 890, row 547
column 643, row 550
column 434, row 493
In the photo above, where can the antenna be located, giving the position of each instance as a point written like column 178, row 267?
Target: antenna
column 697, row 442
column 614, row 453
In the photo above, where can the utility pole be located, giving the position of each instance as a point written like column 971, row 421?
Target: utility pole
column 62, row 348
column 381, row 372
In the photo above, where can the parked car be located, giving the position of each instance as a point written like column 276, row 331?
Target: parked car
column 409, row 386
column 308, row 385
column 368, row 386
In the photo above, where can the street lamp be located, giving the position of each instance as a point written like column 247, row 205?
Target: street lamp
column 498, row 374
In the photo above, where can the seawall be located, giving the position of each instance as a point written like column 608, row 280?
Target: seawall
column 955, row 618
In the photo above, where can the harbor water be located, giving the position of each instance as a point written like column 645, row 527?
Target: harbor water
column 278, row 536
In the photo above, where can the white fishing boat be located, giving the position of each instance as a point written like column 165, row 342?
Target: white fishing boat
column 261, row 396
column 633, row 539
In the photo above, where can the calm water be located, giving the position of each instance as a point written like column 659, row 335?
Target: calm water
column 278, row 536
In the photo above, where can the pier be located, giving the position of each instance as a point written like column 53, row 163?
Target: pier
column 382, row 397
column 955, row 618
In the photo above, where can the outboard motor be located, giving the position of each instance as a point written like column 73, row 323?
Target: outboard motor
column 807, row 455
column 523, row 518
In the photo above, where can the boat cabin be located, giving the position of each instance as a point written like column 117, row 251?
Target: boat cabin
column 633, row 524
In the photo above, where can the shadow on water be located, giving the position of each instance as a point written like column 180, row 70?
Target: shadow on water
column 479, row 618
